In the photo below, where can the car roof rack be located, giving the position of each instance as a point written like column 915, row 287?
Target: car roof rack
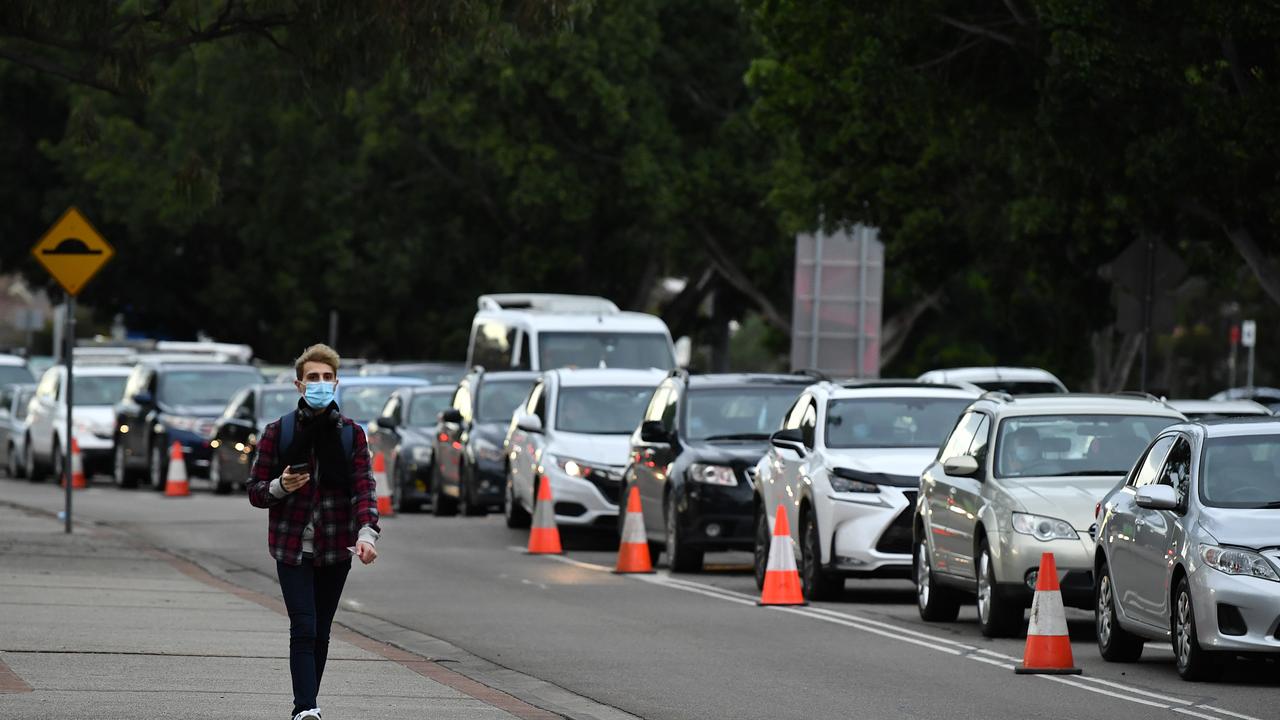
column 546, row 302
column 1001, row 395
column 892, row 383
column 813, row 373
column 1140, row 394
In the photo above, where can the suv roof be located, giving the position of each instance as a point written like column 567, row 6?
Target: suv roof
column 1079, row 404
column 551, row 312
column 593, row 377
column 744, row 379
column 1000, row 372
column 895, row 388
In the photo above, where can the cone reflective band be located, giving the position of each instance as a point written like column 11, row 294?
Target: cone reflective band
column 78, row 481
column 633, row 551
column 175, row 483
column 381, row 488
column 1048, row 650
column 544, row 536
column 781, row 578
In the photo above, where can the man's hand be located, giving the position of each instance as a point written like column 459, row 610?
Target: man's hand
column 366, row 552
column 292, row 481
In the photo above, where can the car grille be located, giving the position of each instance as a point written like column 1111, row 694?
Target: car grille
column 608, row 481
column 897, row 537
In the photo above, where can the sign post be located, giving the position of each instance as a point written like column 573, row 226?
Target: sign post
column 1249, row 338
column 73, row 252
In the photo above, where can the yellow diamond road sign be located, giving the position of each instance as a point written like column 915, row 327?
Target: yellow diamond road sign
column 72, row 251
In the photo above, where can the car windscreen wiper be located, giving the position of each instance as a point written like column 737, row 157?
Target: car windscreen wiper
column 738, row 436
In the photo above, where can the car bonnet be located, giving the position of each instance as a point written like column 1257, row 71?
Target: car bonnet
column 1067, row 498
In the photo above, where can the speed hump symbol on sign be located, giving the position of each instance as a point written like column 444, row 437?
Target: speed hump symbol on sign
column 72, row 251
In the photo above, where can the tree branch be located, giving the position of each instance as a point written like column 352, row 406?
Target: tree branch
column 976, row 30
column 733, row 275
column 61, row 71
column 1232, row 56
column 1263, row 267
column 896, row 330
column 1013, row 10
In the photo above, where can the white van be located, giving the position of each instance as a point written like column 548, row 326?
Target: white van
column 537, row 331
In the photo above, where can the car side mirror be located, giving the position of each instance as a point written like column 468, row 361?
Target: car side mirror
column 244, row 413
column 529, row 423
column 961, row 466
column 388, row 422
column 1157, row 497
column 143, row 398
column 652, row 431
column 791, row 439
column 451, row 415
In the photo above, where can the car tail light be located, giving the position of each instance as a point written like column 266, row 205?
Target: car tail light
column 1097, row 508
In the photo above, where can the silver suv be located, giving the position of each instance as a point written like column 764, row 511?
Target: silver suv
column 1189, row 547
column 1017, row 478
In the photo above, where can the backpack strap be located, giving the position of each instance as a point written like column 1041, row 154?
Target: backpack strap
column 287, row 422
column 348, row 441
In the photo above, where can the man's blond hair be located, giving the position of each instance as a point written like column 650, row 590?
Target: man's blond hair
column 320, row 353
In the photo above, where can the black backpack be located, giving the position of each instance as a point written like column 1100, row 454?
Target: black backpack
column 348, row 434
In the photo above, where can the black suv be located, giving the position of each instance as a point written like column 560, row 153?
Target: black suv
column 404, row 432
column 172, row 402
column 693, row 455
column 469, row 468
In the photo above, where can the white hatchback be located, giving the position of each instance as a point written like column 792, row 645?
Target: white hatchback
column 846, row 467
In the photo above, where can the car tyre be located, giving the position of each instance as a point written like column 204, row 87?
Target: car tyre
column 15, row 469
column 120, row 469
column 397, row 492
column 997, row 615
column 516, row 516
column 935, row 602
column 59, row 462
column 815, row 581
column 34, row 473
column 441, row 505
column 466, row 500
column 763, row 538
column 1194, row 663
column 220, row 485
column 157, row 466
column 1115, row 644
column 680, row 557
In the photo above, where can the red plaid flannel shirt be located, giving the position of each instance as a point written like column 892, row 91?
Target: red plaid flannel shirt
column 336, row 514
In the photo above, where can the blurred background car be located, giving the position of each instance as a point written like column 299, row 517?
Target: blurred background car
column 1187, row 548
column 1019, row 477
column 436, row 373
column 237, row 429
column 167, row 402
column 1218, row 409
column 693, row 456
column 468, row 462
column 362, row 398
column 1013, row 380
column 96, row 390
column 14, row 399
column 1268, row 396
column 404, row 432
column 14, row 369
column 574, row 431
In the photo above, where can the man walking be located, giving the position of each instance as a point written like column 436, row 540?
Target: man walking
column 312, row 472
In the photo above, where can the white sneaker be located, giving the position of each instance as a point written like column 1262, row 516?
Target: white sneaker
column 312, row 714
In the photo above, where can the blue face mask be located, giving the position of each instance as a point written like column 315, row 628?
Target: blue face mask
column 319, row 394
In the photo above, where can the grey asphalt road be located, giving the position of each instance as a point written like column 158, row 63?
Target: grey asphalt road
column 683, row 646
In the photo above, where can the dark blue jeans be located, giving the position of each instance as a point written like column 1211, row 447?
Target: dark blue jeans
column 311, row 595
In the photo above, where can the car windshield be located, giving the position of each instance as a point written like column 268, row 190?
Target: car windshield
column 204, row 387
column 601, row 410
column 1058, row 445
column 24, row 401
column 604, row 350
column 737, row 412
column 425, row 408
column 1025, row 387
column 275, row 403
column 15, row 374
column 892, row 422
column 362, row 403
column 433, row 375
column 499, row 398
column 97, row 390
column 1241, row 472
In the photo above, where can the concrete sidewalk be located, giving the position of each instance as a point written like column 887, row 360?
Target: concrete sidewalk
column 95, row 626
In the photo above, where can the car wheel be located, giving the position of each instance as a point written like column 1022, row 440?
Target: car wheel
column 815, row 581
column 763, row 538
column 221, row 485
column 34, row 472
column 441, row 505
column 15, row 469
column 516, row 516
column 59, row 462
column 1194, row 663
column 466, row 486
column 680, row 557
column 157, row 468
column 120, row 470
column 936, row 603
column 997, row 617
column 1114, row 642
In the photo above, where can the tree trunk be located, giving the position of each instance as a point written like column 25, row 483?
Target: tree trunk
column 895, row 331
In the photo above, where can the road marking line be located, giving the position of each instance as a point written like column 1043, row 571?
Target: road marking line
column 1136, row 691
column 1227, row 712
column 1100, row 691
column 1192, row 713
column 864, row 628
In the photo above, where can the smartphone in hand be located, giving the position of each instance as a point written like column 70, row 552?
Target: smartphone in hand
column 299, row 468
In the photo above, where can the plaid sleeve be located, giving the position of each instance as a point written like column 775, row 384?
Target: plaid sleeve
column 364, row 501
column 263, row 471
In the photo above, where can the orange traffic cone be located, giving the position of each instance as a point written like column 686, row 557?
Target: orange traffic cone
column 781, row 578
column 382, row 488
column 175, row 482
column 544, row 537
column 633, row 551
column 78, row 481
column 1048, row 645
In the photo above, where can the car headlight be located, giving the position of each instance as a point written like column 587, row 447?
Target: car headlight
column 1234, row 561
column 851, row 481
column 571, row 467
column 421, row 453
column 1043, row 528
column 713, row 475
